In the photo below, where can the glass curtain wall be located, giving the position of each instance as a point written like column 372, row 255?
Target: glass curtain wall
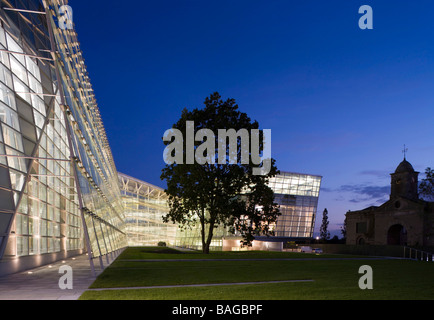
column 297, row 194
column 192, row 238
column 39, row 211
column 51, row 140
column 56, row 166
column 95, row 168
column 145, row 205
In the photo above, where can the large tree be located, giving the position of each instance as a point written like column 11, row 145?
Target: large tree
column 214, row 192
column 426, row 186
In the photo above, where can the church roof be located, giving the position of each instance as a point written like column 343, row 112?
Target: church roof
column 404, row 166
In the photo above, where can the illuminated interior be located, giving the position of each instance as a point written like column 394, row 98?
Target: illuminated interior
column 60, row 192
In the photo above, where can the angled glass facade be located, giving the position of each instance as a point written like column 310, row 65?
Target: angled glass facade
column 297, row 194
column 59, row 191
column 144, row 206
column 95, row 171
column 191, row 238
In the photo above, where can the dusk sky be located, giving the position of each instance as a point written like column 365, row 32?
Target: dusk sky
column 340, row 101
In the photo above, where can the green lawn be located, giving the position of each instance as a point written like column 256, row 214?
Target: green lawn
column 138, row 253
column 333, row 279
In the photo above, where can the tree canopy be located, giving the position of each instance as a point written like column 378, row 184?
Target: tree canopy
column 426, row 186
column 215, row 192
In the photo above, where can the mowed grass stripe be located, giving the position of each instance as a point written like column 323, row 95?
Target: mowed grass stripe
column 204, row 285
column 162, row 253
column 267, row 291
column 333, row 279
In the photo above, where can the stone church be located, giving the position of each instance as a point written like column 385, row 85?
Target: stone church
column 404, row 219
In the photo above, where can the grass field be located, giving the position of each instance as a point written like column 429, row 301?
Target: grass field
column 334, row 276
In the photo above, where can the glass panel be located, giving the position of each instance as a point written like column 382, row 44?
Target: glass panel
column 33, row 68
column 39, row 120
column 23, row 205
column 5, row 76
column 19, row 70
column 17, row 180
column 34, row 245
column 22, row 224
column 9, row 116
column 22, row 246
column 38, row 103
column 7, row 96
column 3, row 37
column 15, row 47
column 43, row 245
column 2, row 151
column 12, row 138
column 35, row 84
column 50, row 245
column 43, row 227
column 22, row 90
column 16, row 162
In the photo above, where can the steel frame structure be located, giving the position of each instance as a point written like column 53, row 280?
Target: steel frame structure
column 86, row 174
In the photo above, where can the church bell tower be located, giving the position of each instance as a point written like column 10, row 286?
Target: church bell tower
column 404, row 181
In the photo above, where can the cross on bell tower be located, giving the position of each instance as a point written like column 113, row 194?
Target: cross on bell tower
column 404, row 151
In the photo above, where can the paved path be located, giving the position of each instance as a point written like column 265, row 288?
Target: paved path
column 42, row 283
column 201, row 285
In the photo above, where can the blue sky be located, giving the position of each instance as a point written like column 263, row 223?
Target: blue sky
column 341, row 102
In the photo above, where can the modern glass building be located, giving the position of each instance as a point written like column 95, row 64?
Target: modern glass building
column 191, row 238
column 297, row 194
column 144, row 207
column 59, row 190
column 145, row 204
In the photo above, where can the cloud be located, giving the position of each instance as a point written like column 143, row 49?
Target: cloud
column 375, row 173
column 362, row 193
column 326, row 189
column 369, row 191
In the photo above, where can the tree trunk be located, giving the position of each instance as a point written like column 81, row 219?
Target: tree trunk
column 202, row 224
column 206, row 243
column 209, row 238
column 205, row 248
